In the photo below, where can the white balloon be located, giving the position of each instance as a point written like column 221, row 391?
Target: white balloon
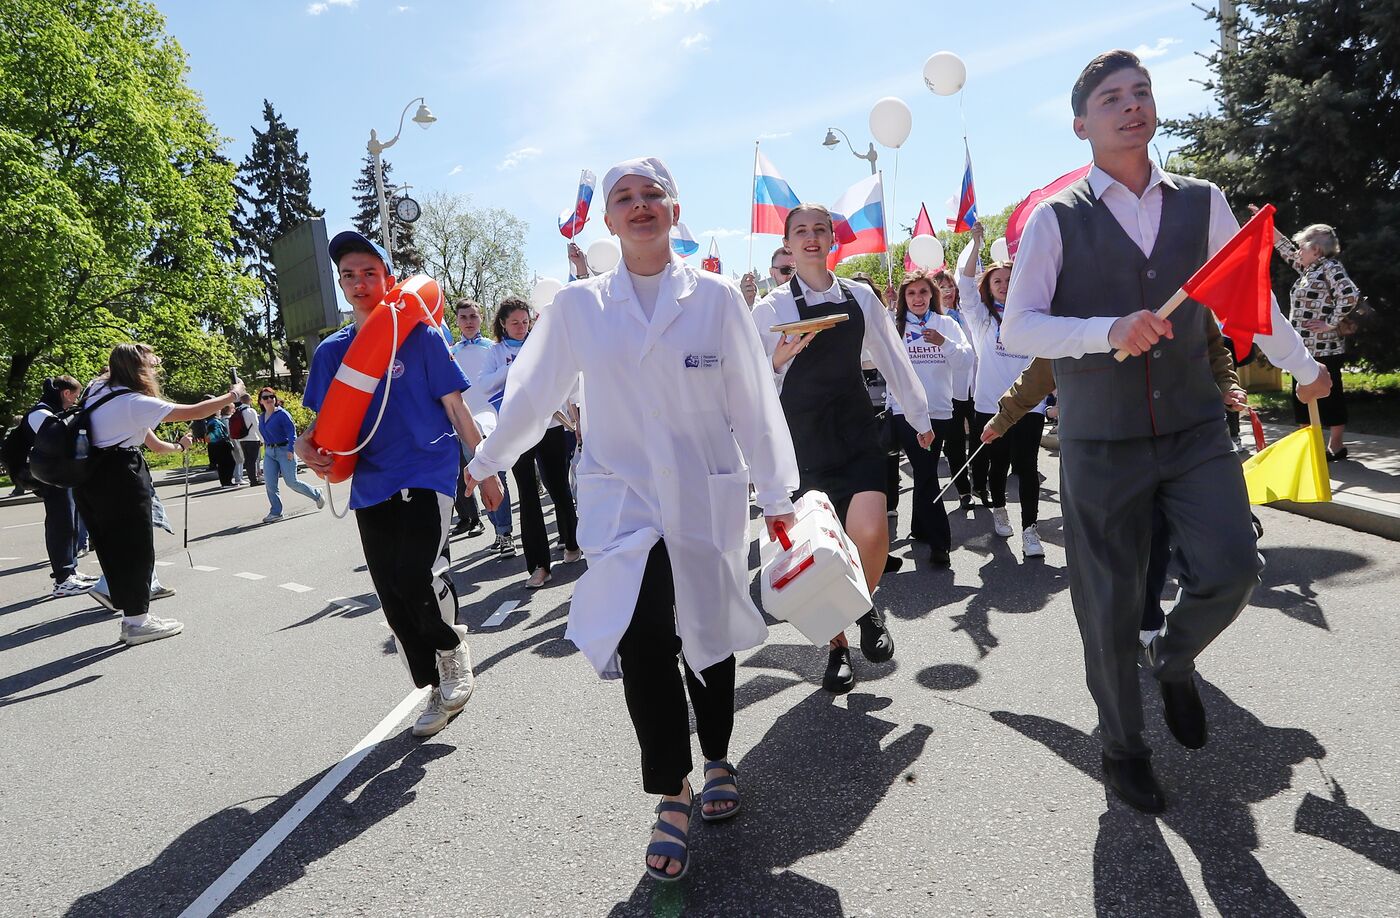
column 926, row 252
column 945, row 73
column 544, row 292
column 604, row 255
column 999, row 250
column 890, row 121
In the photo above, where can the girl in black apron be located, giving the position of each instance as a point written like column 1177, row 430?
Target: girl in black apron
column 828, row 409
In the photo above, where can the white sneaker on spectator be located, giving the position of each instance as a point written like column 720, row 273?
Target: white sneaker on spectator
column 321, row 498
column 1030, row 543
column 434, row 716
column 274, row 517
column 571, row 556
column 153, row 630
column 85, row 578
column 71, row 587
column 455, row 673
column 1001, row 523
column 161, row 592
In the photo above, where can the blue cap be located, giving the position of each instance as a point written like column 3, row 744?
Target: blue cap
column 357, row 241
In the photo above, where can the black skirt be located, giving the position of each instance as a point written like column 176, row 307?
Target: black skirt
column 1333, row 408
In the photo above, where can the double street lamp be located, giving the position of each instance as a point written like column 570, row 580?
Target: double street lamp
column 423, row 117
column 832, row 143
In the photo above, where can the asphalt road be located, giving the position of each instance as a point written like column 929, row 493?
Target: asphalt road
column 959, row 779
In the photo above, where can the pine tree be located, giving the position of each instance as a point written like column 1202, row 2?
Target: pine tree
column 407, row 259
column 274, row 191
column 1308, row 107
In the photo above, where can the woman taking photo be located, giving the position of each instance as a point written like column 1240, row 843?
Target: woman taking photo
column 940, row 354
column 678, row 412
column 510, row 327
column 279, row 434
column 116, row 501
column 1018, row 450
column 958, row 445
column 828, row 409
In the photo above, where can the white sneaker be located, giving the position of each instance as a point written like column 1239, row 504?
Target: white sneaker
column 1001, row 524
column 71, row 587
column 320, row 499
column 1030, row 543
column 274, row 517
column 571, row 556
column 85, row 578
column 457, row 681
column 161, row 592
column 153, row 630
column 433, row 718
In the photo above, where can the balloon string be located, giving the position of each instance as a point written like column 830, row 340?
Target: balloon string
column 894, row 192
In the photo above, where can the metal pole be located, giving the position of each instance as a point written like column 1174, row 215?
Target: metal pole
column 385, row 232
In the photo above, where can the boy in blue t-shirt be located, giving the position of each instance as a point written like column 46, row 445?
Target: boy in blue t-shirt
column 404, row 482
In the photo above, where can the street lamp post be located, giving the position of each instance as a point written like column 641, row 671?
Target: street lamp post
column 423, row 117
column 831, row 143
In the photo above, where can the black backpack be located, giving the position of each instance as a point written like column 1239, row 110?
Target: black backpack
column 63, row 455
column 14, row 450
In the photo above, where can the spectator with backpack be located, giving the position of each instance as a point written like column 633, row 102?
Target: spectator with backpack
column 243, row 428
column 221, row 449
column 58, row 394
column 122, row 408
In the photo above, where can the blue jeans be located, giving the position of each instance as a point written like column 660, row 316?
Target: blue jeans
column 279, row 463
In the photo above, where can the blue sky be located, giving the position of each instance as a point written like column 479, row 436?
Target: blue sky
column 529, row 93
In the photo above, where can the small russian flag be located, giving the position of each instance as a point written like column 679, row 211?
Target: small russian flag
column 858, row 221
column 682, row 243
column 711, row 261
column 571, row 222
column 772, row 197
column 967, row 200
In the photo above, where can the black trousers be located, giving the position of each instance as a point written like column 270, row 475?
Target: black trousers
column 889, row 422
column 982, row 462
column 60, row 531
column 1332, row 410
column 958, row 444
column 251, row 463
column 930, row 519
column 1018, row 450
column 552, row 453
column 467, row 512
column 116, row 506
column 405, row 538
column 221, row 455
column 655, row 694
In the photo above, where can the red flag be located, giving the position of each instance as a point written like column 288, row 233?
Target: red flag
column 1017, row 222
column 711, row 263
column 923, row 226
column 1234, row 283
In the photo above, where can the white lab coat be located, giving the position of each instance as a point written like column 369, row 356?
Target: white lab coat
column 672, row 408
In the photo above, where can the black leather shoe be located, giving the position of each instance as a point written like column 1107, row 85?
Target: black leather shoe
column 1185, row 715
column 1133, row 783
column 939, row 558
column 893, row 564
column 840, row 678
column 876, row 642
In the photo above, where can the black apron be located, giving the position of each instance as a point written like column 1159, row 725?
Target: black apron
column 828, row 407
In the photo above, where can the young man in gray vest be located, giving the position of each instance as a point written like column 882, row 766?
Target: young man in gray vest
column 1093, row 264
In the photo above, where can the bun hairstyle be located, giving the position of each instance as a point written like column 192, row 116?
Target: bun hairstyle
column 901, row 313
column 813, row 208
column 1322, row 236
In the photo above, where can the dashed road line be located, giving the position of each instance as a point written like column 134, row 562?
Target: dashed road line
column 296, row 587
column 500, row 614
column 164, row 563
column 204, row 567
column 22, row 525
column 249, row 575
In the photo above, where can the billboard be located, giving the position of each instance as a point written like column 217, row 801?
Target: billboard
column 305, row 281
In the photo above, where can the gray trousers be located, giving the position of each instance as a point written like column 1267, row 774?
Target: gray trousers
column 1108, row 489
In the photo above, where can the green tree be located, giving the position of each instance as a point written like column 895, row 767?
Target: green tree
column 117, row 202
column 275, row 197
column 473, row 252
column 407, row 259
column 1307, row 111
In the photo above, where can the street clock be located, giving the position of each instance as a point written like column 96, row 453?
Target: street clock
column 407, row 210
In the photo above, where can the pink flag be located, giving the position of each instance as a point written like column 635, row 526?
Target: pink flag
column 1022, row 213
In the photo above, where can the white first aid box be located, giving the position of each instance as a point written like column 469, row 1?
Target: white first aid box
column 814, row 578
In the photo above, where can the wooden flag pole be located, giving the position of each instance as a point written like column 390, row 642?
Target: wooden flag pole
column 1167, row 309
column 1314, row 418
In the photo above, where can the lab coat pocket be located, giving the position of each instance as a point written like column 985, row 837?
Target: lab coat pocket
column 729, row 510
column 600, row 497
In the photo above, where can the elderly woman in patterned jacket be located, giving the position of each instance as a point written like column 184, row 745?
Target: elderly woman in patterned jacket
column 1321, row 296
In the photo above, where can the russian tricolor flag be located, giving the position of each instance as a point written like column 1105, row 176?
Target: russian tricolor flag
column 682, row 243
column 571, row 222
column 858, row 219
column 711, row 262
column 967, row 200
column 772, row 197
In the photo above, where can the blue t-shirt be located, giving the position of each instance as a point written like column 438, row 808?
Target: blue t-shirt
column 415, row 446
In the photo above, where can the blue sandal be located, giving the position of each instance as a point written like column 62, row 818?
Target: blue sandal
column 673, row 850
column 715, row 792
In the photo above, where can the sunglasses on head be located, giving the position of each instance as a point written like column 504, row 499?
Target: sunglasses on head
column 785, row 270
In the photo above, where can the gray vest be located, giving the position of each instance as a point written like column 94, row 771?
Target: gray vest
column 1104, row 273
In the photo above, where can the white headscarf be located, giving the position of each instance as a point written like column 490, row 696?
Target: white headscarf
column 647, row 167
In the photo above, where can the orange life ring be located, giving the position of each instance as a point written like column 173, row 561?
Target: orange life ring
column 366, row 363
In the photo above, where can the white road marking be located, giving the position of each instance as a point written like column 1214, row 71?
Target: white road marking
column 240, row 870
column 204, row 567
column 500, row 614
column 346, row 605
column 296, row 587
column 22, row 525
column 9, row 559
column 249, row 575
column 164, row 563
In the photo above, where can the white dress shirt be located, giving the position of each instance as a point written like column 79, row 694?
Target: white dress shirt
column 1029, row 327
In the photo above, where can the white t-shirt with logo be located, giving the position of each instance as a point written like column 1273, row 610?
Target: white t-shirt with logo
column 125, row 419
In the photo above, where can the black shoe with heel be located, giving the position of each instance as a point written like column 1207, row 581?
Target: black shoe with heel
column 1132, row 781
column 876, row 642
column 840, row 677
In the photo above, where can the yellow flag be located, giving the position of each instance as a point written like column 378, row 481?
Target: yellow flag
column 1294, row 468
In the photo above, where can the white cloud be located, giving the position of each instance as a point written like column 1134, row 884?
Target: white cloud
column 665, row 7
column 1149, row 52
column 721, row 233
column 403, row 9
column 699, row 39
column 455, row 170
column 318, row 8
column 516, row 157
column 775, row 135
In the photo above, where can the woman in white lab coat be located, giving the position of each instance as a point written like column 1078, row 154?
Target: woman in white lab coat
column 828, row 408
column 678, row 413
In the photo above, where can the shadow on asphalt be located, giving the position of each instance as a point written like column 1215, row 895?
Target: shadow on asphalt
column 337, row 608
column 70, row 621
column 796, row 805
column 1209, row 798
column 379, row 786
column 1291, row 575
column 11, row 686
column 1342, row 824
